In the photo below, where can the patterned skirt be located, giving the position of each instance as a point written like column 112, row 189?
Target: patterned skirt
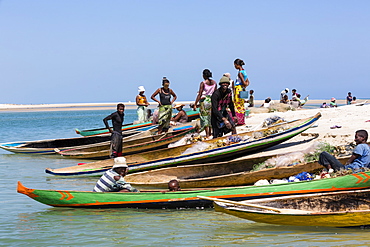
column 205, row 112
column 165, row 114
column 239, row 105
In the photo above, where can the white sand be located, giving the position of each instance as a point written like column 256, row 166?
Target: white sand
column 350, row 118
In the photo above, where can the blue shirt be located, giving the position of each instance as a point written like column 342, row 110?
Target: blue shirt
column 238, row 81
column 363, row 150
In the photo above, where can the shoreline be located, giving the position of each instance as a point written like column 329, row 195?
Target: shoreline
column 107, row 106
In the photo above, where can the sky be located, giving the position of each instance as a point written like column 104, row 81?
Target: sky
column 90, row 51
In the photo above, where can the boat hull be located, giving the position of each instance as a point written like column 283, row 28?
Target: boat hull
column 342, row 219
column 188, row 198
column 50, row 146
column 175, row 156
column 223, row 174
column 134, row 146
column 192, row 115
column 332, row 209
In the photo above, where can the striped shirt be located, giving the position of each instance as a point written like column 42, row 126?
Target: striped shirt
column 107, row 183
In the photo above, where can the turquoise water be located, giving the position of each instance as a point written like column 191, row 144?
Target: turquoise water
column 25, row 222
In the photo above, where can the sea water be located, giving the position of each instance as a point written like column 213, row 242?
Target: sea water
column 25, row 222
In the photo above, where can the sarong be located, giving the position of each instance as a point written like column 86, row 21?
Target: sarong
column 116, row 144
column 205, row 112
column 142, row 113
column 165, row 114
column 239, row 105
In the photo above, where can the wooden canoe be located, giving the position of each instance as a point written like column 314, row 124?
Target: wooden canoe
column 49, row 146
column 235, row 172
column 334, row 209
column 217, row 150
column 188, row 198
column 141, row 143
column 192, row 115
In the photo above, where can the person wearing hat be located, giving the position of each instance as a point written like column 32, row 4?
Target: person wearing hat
column 333, row 103
column 206, row 89
column 181, row 116
column 142, row 105
column 221, row 121
column 113, row 179
column 165, row 105
column 117, row 122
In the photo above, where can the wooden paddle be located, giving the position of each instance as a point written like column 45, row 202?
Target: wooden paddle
column 283, row 211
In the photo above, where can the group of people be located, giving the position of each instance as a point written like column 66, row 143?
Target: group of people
column 349, row 100
column 222, row 108
column 295, row 100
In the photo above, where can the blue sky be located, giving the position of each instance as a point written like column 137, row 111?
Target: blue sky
column 101, row 51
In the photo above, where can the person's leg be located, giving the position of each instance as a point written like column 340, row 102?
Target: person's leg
column 326, row 160
column 114, row 144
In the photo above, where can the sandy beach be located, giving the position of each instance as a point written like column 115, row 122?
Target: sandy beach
column 350, row 118
column 105, row 106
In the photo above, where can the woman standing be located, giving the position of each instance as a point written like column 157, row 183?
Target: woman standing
column 240, row 84
column 206, row 89
column 142, row 105
column 165, row 105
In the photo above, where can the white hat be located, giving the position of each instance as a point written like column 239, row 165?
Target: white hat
column 141, row 89
column 287, row 90
column 120, row 162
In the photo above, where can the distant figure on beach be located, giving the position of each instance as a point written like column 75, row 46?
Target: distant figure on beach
column 113, row 179
column 283, row 94
column 294, row 95
column 354, row 101
column 285, row 99
column 142, row 105
column 117, row 122
column 251, row 98
column 165, row 105
column 349, row 98
column 333, row 102
column 174, row 185
column 228, row 75
column 221, row 121
column 266, row 103
column 324, row 105
column 181, row 116
column 359, row 159
column 206, row 89
column 240, row 84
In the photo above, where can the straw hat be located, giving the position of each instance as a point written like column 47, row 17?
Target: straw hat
column 120, row 162
column 141, row 89
column 178, row 105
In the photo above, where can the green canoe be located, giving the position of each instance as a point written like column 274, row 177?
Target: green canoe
column 188, row 198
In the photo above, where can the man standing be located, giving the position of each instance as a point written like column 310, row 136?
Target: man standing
column 117, row 121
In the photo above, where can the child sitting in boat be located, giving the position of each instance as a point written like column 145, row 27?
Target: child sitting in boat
column 359, row 159
column 113, row 179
